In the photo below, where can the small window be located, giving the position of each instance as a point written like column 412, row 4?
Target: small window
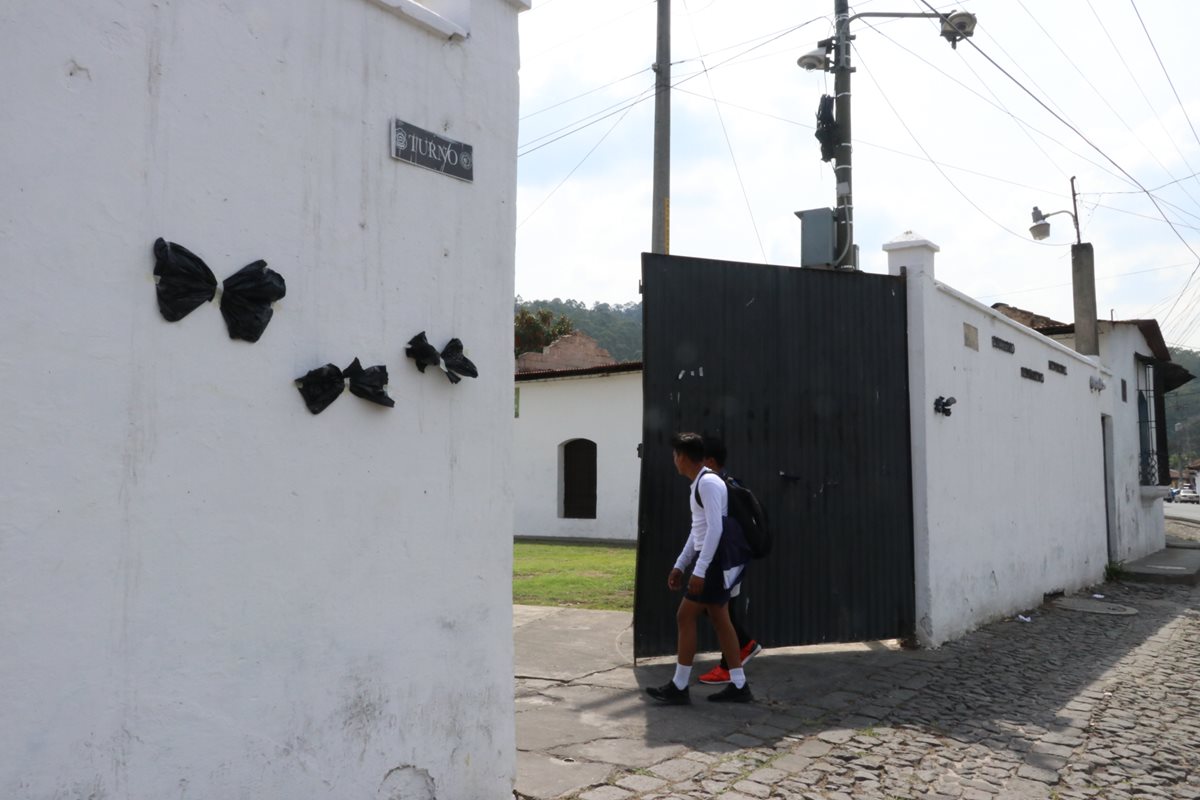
column 517, row 403
column 577, row 479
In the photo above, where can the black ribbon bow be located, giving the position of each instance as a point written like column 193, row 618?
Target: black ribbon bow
column 185, row 283
column 451, row 360
column 321, row 386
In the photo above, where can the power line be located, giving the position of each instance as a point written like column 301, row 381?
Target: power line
column 584, row 94
column 576, row 167
column 1098, row 93
column 1068, row 283
column 645, row 95
column 728, row 143
column 868, row 143
column 1154, row 47
column 1138, row 85
column 1095, row 147
column 917, row 142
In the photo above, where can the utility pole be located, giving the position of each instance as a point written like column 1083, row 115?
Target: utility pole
column 660, row 228
column 844, row 214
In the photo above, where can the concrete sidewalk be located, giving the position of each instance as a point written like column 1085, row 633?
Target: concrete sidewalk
column 1069, row 705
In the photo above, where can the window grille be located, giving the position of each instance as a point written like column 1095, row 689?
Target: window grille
column 1152, row 430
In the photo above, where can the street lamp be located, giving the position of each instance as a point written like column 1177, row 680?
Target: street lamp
column 834, row 132
column 1083, row 277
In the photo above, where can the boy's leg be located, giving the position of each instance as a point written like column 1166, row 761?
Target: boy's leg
column 718, row 614
column 735, row 617
column 685, row 621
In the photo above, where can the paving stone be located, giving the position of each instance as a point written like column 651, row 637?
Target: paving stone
column 606, row 793
column 641, row 783
column 836, row 736
column 677, row 769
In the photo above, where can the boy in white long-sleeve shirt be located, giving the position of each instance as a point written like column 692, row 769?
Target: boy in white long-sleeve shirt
column 717, row 558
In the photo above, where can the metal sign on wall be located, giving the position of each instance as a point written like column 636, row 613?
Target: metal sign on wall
column 425, row 149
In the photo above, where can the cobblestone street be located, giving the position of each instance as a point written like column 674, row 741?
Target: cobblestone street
column 1068, row 705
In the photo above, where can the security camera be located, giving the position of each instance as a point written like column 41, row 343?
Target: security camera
column 814, row 59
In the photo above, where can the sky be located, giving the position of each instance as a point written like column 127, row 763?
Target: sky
column 946, row 144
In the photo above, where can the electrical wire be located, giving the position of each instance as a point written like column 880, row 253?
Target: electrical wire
column 1099, row 94
column 728, row 142
column 1138, row 84
column 645, row 95
column 1068, row 283
column 868, row 143
column 942, row 172
column 584, row 94
column 576, row 167
column 1106, row 157
column 1002, row 108
column 1166, row 74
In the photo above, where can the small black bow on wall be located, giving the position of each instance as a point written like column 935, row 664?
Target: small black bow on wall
column 323, row 385
column 184, row 282
column 451, row 360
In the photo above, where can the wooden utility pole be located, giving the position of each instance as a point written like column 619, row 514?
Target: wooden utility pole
column 660, row 228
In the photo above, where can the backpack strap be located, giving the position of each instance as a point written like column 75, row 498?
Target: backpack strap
column 706, row 471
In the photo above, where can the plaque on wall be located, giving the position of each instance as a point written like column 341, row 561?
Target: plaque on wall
column 425, row 149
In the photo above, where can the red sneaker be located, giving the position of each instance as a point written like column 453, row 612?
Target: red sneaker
column 751, row 649
column 715, row 676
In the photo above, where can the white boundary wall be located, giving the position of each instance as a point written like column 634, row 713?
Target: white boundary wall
column 1008, row 491
column 1137, row 512
column 606, row 409
column 205, row 591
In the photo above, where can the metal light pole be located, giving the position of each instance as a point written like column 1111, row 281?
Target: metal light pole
column 660, row 233
column 956, row 25
column 1083, row 278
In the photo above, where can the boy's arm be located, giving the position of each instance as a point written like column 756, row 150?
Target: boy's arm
column 711, row 492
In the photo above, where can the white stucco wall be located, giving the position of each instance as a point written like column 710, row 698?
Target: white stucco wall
column 604, row 408
column 206, row 591
column 1009, row 489
column 1138, row 527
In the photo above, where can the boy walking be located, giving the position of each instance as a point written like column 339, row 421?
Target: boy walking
column 710, row 564
column 715, row 454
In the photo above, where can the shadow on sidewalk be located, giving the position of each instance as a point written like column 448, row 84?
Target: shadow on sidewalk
column 1008, row 684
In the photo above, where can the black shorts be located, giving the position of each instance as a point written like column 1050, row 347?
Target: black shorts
column 714, row 591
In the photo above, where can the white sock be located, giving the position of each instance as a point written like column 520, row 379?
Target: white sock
column 738, row 676
column 682, row 675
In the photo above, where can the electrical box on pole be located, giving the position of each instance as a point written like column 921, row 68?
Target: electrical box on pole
column 818, row 237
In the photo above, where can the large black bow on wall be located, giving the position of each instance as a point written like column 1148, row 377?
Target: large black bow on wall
column 451, row 360
column 321, row 386
column 184, row 282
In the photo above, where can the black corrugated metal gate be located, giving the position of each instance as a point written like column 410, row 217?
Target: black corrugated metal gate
column 805, row 375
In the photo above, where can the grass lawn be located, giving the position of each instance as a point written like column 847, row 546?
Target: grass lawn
column 573, row 575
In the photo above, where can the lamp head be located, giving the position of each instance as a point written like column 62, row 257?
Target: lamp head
column 958, row 25
column 813, row 59
column 1040, row 228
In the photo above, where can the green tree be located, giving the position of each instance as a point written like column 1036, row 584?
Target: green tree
column 617, row 328
column 533, row 330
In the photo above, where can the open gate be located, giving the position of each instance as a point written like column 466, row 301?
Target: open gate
column 804, row 373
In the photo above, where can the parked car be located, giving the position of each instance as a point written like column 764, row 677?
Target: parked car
column 1188, row 496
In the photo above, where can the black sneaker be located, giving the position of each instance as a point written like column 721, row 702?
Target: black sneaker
column 732, row 694
column 670, row 694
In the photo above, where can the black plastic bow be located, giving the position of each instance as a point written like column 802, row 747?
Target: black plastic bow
column 451, row 360
column 323, row 385
column 185, row 283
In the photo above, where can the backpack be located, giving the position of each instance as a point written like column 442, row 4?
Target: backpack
column 745, row 509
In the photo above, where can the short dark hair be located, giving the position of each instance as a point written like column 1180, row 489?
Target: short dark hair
column 714, row 448
column 689, row 445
